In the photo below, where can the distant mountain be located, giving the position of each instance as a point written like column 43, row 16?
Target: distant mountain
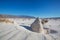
column 15, row 16
column 23, row 16
column 53, row 18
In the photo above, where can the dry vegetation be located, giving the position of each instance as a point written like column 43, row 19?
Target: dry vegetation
column 6, row 20
column 44, row 21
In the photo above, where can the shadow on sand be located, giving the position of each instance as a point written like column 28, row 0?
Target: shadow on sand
column 27, row 27
column 53, row 31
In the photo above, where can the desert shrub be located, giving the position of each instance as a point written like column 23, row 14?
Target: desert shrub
column 44, row 21
column 6, row 20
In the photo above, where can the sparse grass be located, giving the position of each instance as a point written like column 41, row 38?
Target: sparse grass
column 6, row 20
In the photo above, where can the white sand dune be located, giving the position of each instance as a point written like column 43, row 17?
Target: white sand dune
column 16, row 32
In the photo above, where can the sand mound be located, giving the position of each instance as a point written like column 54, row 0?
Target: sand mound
column 37, row 26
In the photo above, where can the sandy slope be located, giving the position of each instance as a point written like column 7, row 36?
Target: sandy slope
column 12, row 32
column 17, row 32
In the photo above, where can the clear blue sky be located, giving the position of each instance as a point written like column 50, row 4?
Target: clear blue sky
column 37, row 8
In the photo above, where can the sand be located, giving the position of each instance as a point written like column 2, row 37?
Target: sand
column 18, row 30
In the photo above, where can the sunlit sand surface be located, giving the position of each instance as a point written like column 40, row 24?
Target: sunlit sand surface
column 20, row 30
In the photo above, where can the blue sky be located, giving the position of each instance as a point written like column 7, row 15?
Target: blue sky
column 37, row 8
